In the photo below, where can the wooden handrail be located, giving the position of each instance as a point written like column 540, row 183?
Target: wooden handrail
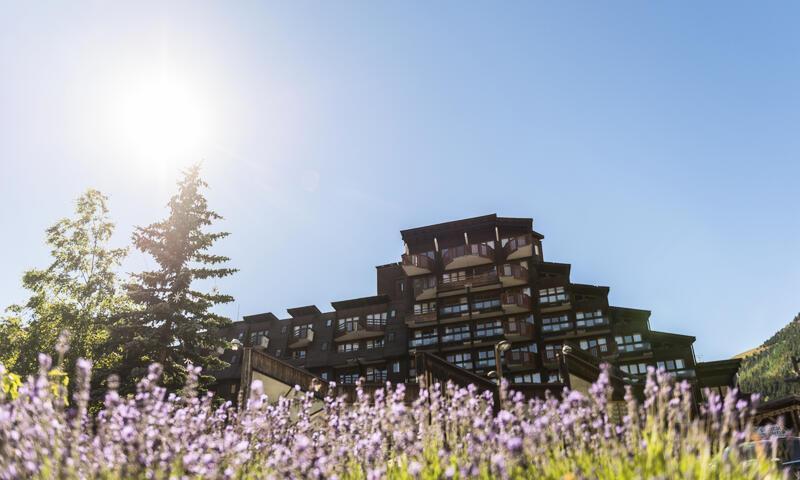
column 479, row 249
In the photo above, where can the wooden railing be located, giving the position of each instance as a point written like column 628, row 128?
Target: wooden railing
column 360, row 326
column 515, row 243
column 434, row 369
column 518, row 299
column 514, row 270
column 477, row 249
column 520, row 359
column 473, row 280
column 518, row 326
column 419, row 260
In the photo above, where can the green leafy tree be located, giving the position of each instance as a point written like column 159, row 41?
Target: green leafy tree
column 172, row 322
column 78, row 293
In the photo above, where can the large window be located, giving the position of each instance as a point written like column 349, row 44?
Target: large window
column 349, row 324
column 375, row 375
column 556, row 324
column 452, row 277
column 420, row 338
column 347, row 347
column 552, row 295
column 527, row 378
column 373, row 344
column 630, row 343
column 485, row 359
column 454, row 308
column 377, row 319
column 491, row 328
column 424, row 307
column 595, row 346
column 589, row 319
column 551, row 350
column 634, row 368
column 458, row 333
column 259, row 339
column 677, row 365
column 530, row 347
column 463, row 360
column 348, row 378
column 486, row 304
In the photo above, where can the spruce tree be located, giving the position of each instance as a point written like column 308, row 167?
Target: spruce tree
column 172, row 322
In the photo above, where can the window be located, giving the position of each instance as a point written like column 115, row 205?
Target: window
column 324, row 375
column 552, row 350
column 491, row 328
column 348, row 378
column 396, row 367
column 589, row 319
column 455, row 308
column 324, row 346
column 301, row 331
column 486, row 304
column 328, row 323
column 463, row 360
column 375, row 375
column 485, row 359
column 452, row 277
column 278, row 352
column 554, row 378
column 347, row 347
column 283, row 329
column 377, row 319
column 527, row 378
column 634, row 368
column 531, row 347
column 423, row 337
column 259, row 339
column 552, row 295
column 235, row 358
column 595, row 346
column 630, row 343
column 373, row 344
column 556, row 324
column 457, row 333
column 424, row 307
column 390, row 337
column 671, row 365
column 349, row 324
column 299, row 354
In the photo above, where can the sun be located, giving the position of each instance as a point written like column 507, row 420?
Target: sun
column 162, row 120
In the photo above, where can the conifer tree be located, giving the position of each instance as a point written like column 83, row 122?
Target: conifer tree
column 172, row 322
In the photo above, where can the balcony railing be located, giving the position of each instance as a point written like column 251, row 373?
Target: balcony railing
column 516, row 329
column 357, row 331
column 518, row 360
column 301, row 338
column 519, row 247
column 417, row 263
column 456, row 337
column 512, row 274
column 473, row 281
column 515, row 302
column 467, row 256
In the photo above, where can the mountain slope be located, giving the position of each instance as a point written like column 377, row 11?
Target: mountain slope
column 765, row 368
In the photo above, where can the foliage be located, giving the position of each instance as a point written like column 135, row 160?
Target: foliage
column 9, row 383
column 765, row 370
column 172, row 321
column 76, row 293
column 447, row 432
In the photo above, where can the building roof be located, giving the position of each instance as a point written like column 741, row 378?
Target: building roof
column 360, row 302
column 306, row 311
column 458, row 226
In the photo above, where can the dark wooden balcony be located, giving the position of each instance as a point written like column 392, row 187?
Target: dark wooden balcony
column 470, row 255
column 358, row 331
column 519, row 247
column 512, row 275
column 516, row 360
column 515, row 302
column 417, row 264
column 301, row 338
column 473, row 281
column 421, row 319
column 516, row 329
column 424, row 288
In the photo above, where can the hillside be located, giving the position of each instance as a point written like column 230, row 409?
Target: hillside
column 765, row 368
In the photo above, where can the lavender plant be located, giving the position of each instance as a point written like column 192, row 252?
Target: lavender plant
column 447, row 432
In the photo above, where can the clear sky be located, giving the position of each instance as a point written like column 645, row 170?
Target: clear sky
column 655, row 146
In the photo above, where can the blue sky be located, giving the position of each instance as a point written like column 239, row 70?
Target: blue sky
column 655, row 146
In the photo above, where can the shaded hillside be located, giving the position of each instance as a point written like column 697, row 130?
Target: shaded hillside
column 765, row 368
